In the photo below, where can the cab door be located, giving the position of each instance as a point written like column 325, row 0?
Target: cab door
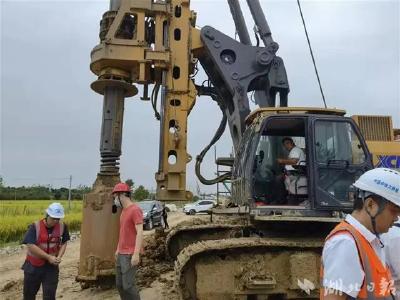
column 340, row 156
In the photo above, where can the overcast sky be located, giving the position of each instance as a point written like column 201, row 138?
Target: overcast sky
column 51, row 119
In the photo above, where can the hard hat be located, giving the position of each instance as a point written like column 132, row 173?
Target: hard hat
column 55, row 210
column 381, row 181
column 121, row 188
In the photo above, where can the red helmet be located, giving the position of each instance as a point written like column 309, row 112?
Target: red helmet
column 121, row 188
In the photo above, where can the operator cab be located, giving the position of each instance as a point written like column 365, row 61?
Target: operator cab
column 299, row 160
column 273, row 165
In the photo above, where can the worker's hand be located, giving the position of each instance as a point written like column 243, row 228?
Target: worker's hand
column 135, row 259
column 279, row 160
column 58, row 259
column 53, row 260
column 116, row 254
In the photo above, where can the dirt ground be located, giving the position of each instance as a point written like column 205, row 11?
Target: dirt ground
column 155, row 278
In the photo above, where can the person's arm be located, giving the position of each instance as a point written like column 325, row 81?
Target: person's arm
column 335, row 296
column 30, row 242
column 287, row 161
column 392, row 246
column 342, row 270
column 293, row 158
column 138, row 245
column 35, row 250
column 64, row 239
column 62, row 251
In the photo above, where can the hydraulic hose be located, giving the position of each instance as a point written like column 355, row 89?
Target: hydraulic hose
column 199, row 158
column 154, row 96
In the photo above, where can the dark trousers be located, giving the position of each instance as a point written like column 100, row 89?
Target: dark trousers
column 47, row 276
column 165, row 222
column 125, row 278
column 279, row 192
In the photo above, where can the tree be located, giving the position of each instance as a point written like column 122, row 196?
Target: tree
column 130, row 183
column 141, row 193
column 57, row 195
column 1, row 188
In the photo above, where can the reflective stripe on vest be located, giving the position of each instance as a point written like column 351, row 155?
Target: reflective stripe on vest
column 377, row 281
column 49, row 243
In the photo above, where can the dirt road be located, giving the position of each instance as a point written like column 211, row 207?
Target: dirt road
column 11, row 276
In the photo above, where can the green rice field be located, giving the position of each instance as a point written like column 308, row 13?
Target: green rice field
column 17, row 215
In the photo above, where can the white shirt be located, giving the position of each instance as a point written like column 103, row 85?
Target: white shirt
column 296, row 153
column 342, row 267
column 392, row 250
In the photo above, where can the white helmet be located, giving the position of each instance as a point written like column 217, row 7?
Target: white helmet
column 381, row 181
column 55, row 210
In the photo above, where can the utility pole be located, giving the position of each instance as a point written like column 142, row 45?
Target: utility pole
column 215, row 160
column 69, row 193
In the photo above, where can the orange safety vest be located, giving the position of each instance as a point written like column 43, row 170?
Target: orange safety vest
column 377, row 282
column 49, row 243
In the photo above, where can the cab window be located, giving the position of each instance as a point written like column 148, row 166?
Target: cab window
column 337, row 141
column 341, row 158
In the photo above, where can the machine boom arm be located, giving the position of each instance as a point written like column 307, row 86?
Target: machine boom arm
column 237, row 68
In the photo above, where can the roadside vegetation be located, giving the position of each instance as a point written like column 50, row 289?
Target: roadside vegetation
column 21, row 206
column 17, row 215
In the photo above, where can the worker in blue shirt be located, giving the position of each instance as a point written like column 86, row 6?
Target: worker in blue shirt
column 46, row 242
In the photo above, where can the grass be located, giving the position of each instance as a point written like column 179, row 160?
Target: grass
column 17, row 215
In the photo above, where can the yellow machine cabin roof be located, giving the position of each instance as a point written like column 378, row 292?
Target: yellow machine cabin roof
column 293, row 110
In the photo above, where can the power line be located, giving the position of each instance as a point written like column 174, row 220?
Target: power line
column 311, row 52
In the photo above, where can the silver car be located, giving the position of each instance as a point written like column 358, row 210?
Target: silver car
column 198, row 206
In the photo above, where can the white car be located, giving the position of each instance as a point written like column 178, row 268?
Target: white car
column 198, row 206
